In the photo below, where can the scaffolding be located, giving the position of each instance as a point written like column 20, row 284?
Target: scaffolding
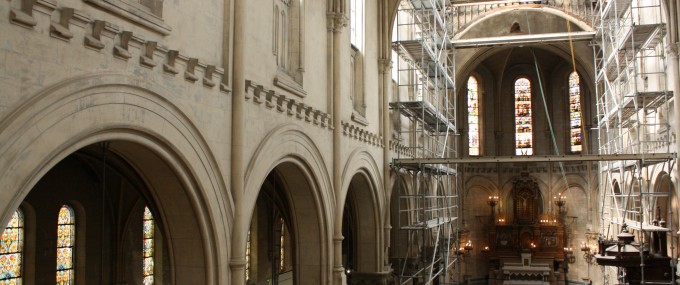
column 427, row 197
column 632, row 110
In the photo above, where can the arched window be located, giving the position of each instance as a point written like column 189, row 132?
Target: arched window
column 473, row 115
column 523, row 123
column 575, row 113
column 66, row 239
column 280, row 31
column 356, row 23
column 248, row 259
column 148, row 247
column 11, row 250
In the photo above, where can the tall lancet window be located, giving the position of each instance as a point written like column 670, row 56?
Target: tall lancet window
column 576, row 133
column 148, row 247
column 523, row 121
column 11, row 250
column 66, row 240
column 473, row 116
column 280, row 32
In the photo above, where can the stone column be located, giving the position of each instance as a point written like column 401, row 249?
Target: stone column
column 336, row 20
column 239, row 231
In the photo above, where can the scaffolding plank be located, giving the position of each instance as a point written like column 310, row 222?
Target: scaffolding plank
column 538, row 158
column 637, row 225
column 426, row 113
column 429, row 224
column 639, row 36
column 615, row 8
column 523, row 39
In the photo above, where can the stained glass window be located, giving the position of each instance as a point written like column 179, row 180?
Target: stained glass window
column 11, row 250
column 523, row 124
column 66, row 239
column 473, row 116
column 283, row 247
column 575, row 112
column 248, row 257
column 148, row 247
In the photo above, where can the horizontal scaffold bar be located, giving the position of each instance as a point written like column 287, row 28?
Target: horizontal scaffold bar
column 537, row 158
column 523, row 39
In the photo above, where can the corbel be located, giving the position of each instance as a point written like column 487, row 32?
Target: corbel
column 308, row 113
column 249, row 84
column 269, row 99
column 317, row 115
column 60, row 29
column 345, row 127
column 146, row 59
column 291, row 107
column 326, row 121
column 208, row 75
column 94, row 40
column 280, row 103
column 121, row 49
column 300, row 112
column 169, row 66
column 24, row 15
column 191, row 67
column 257, row 99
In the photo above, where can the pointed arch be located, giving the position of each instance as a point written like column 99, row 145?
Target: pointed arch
column 12, row 250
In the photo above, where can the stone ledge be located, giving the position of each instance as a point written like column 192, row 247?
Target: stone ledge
column 289, row 106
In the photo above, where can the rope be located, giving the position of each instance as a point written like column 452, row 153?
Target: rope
column 545, row 105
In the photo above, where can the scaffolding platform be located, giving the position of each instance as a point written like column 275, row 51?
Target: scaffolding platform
column 430, row 224
column 517, row 40
column 426, row 113
column 615, row 8
column 637, row 225
column 633, row 103
column 639, row 36
column 422, row 55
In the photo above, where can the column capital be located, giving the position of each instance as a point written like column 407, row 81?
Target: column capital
column 385, row 65
column 672, row 49
column 336, row 21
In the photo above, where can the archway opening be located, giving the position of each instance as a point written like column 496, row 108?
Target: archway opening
column 130, row 218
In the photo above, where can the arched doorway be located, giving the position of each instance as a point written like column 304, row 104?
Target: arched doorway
column 285, row 244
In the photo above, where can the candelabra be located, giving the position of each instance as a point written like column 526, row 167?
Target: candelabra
column 589, row 251
column 468, row 247
column 486, row 250
column 569, row 255
column 560, row 200
column 493, row 201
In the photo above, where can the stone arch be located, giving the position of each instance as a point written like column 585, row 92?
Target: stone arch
column 581, row 24
column 155, row 137
column 368, row 204
column 296, row 159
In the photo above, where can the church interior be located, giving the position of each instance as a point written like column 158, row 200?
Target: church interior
column 299, row 142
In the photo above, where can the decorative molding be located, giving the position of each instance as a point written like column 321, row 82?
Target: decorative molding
column 24, row 15
column 359, row 118
column 336, row 21
column 96, row 29
column 207, row 76
column 401, row 149
column 385, row 65
column 361, row 134
column 286, row 82
column 284, row 105
column 169, row 66
column 120, row 50
column 61, row 29
column 146, row 59
column 134, row 14
column 191, row 68
column 94, row 40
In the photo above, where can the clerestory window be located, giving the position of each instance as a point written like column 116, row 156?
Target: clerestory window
column 523, row 119
column 473, row 116
column 575, row 131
